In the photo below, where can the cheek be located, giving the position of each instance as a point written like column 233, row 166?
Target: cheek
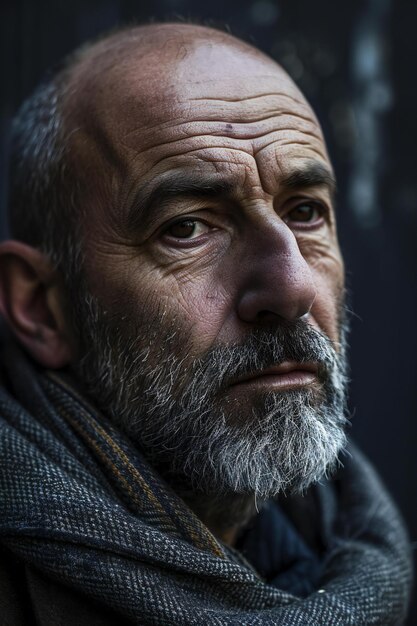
column 329, row 280
column 325, row 261
column 194, row 306
column 191, row 302
column 201, row 307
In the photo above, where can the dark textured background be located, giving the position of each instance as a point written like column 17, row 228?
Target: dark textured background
column 355, row 61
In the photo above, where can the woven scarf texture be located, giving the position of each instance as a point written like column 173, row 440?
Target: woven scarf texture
column 79, row 504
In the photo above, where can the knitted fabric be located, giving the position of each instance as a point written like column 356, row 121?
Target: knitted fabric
column 79, row 503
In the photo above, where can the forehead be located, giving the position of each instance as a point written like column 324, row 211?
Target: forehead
column 203, row 78
column 199, row 105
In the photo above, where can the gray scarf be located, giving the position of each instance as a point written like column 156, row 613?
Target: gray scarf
column 82, row 506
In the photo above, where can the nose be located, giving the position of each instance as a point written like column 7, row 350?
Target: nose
column 277, row 280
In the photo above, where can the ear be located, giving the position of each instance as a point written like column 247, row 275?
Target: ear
column 32, row 303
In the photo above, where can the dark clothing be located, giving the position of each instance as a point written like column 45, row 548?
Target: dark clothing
column 278, row 552
column 91, row 535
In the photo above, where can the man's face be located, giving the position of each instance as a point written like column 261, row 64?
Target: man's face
column 214, row 275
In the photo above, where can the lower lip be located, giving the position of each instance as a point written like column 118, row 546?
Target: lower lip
column 287, row 380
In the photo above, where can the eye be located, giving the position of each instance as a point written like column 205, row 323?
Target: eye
column 187, row 229
column 306, row 213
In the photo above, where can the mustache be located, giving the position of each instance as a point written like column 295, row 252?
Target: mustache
column 268, row 346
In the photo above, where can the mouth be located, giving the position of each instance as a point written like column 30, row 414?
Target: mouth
column 286, row 375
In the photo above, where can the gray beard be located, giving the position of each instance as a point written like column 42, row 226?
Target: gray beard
column 178, row 411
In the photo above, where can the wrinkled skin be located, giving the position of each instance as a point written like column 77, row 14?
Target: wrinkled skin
column 207, row 194
column 203, row 106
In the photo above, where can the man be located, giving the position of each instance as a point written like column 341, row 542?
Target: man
column 176, row 407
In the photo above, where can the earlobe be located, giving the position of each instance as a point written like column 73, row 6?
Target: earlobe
column 32, row 304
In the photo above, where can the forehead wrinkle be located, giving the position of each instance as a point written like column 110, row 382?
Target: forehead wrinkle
column 187, row 128
column 257, row 96
column 106, row 103
column 250, row 143
column 245, row 108
column 131, row 97
column 211, row 119
column 292, row 141
column 224, row 149
column 248, row 120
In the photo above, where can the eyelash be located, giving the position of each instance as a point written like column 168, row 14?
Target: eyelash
column 187, row 242
column 314, row 204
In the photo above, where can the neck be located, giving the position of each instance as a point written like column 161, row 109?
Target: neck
column 224, row 515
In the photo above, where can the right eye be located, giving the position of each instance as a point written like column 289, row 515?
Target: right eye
column 187, row 229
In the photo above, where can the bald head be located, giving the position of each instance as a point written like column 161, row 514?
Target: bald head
column 86, row 139
column 158, row 47
column 157, row 62
column 151, row 82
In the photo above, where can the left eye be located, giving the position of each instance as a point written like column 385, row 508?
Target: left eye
column 187, row 229
column 305, row 213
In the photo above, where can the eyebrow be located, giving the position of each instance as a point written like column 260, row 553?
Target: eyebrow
column 312, row 174
column 196, row 185
column 175, row 185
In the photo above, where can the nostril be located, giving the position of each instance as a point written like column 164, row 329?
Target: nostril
column 277, row 281
column 267, row 316
column 280, row 298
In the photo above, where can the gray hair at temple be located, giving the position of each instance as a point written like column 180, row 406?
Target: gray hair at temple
column 43, row 198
